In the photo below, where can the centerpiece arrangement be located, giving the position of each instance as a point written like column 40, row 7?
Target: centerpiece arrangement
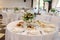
column 16, row 9
column 53, row 11
column 28, row 17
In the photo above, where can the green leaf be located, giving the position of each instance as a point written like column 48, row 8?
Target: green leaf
column 46, row 0
column 53, row 10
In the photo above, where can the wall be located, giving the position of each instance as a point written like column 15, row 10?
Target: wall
column 58, row 4
column 54, row 3
column 15, row 3
column 35, row 3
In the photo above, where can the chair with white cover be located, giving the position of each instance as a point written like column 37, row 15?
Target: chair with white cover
column 5, row 18
column 20, row 15
column 31, row 11
column 43, row 18
column 43, row 12
column 58, row 24
column 10, row 10
column 11, row 15
column 55, row 19
column 22, row 11
column 47, row 18
column 38, row 17
column 15, row 16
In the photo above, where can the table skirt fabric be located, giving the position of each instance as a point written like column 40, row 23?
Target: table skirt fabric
column 13, row 36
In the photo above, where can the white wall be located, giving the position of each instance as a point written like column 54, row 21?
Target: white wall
column 58, row 4
column 35, row 3
column 54, row 3
column 15, row 3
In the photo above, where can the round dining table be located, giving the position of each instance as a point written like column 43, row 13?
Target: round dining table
column 16, row 33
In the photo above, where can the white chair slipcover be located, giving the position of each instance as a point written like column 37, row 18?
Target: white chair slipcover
column 43, row 17
column 5, row 18
column 55, row 19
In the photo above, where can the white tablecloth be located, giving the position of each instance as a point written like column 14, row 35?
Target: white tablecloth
column 9, row 35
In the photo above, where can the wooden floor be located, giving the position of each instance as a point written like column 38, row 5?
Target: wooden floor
column 2, row 30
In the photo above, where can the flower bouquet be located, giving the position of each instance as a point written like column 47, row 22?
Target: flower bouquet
column 28, row 17
column 16, row 9
column 53, row 10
